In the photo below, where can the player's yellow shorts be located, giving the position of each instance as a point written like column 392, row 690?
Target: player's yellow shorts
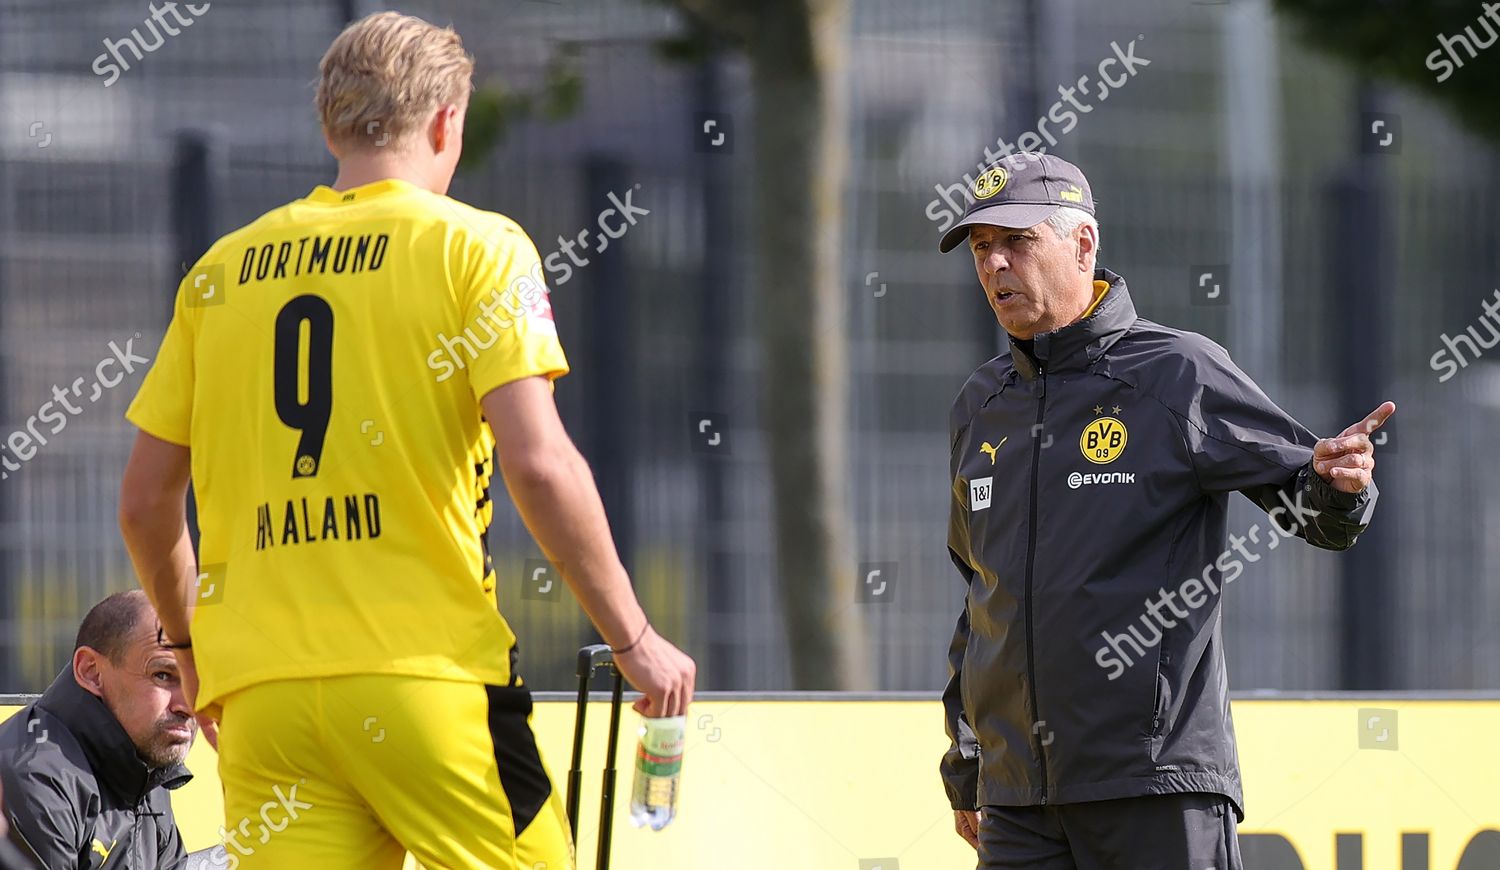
column 354, row 771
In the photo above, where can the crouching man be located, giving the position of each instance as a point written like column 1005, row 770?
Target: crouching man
column 86, row 768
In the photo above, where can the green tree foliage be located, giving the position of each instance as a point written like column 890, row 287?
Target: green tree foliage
column 494, row 108
column 1398, row 42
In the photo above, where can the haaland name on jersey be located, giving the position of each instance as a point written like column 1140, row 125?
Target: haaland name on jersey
column 338, row 254
column 302, row 523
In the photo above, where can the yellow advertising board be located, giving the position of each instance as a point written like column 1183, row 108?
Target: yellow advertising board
column 1340, row 784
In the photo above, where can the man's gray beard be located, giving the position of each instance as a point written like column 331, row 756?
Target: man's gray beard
column 162, row 754
column 166, row 755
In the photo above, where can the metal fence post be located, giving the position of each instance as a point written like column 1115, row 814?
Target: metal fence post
column 197, row 184
column 10, row 582
column 719, row 281
column 609, row 361
column 1361, row 349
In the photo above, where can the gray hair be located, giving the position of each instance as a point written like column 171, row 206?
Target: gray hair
column 1065, row 220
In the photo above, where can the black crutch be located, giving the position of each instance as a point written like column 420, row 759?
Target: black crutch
column 591, row 658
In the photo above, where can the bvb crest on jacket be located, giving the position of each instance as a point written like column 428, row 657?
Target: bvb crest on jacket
column 1103, row 439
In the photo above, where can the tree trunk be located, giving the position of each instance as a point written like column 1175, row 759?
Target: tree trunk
column 801, row 160
column 796, row 51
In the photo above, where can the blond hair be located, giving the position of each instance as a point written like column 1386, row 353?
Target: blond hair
column 383, row 76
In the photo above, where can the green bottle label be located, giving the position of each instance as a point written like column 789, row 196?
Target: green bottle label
column 656, row 765
column 660, row 752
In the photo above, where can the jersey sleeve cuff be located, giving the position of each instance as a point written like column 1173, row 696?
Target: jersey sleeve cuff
column 485, row 387
column 158, row 429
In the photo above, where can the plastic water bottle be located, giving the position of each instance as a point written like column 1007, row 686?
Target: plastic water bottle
column 658, row 766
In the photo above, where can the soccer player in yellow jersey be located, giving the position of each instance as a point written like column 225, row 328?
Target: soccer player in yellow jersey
column 335, row 381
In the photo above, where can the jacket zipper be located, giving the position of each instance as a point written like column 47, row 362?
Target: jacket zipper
column 1036, row 464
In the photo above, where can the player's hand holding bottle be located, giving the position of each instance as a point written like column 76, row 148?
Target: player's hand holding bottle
column 662, row 673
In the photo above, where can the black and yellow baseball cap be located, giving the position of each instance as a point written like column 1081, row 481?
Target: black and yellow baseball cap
column 1021, row 190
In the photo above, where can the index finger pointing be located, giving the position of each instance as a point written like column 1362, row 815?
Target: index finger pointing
column 1374, row 421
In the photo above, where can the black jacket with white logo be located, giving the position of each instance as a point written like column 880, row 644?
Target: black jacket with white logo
column 1091, row 483
column 77, row 795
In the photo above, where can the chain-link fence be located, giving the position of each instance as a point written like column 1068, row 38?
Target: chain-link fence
column 92, row 212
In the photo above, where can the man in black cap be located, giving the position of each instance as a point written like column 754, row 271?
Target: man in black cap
column 1092, row 464
column 87, row 767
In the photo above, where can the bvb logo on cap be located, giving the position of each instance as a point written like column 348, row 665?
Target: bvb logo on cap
column 990, row 183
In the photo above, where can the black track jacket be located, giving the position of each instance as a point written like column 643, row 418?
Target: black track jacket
column 1091, row 483
column 76, row 793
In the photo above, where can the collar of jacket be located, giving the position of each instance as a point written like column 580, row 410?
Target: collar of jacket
column 1076, row 346
column 109, row 749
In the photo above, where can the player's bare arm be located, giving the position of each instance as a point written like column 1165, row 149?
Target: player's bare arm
column 554, row 491
column 153, row 522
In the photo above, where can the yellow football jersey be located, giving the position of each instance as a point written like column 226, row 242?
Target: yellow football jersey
column 324, row 365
